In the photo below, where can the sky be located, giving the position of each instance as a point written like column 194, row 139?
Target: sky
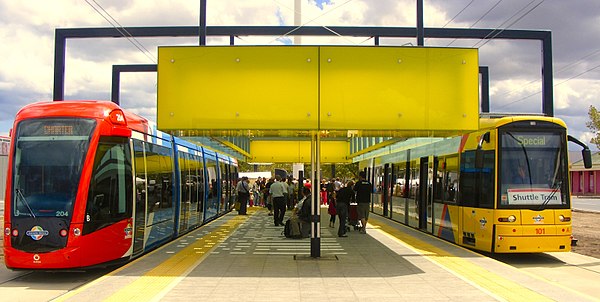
column 27, row 32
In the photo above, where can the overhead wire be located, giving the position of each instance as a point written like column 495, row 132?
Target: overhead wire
column 555, row 85
column 455, row 16
column 511, row 24
column 122, row 31
column 480, row 18
column 562, row 69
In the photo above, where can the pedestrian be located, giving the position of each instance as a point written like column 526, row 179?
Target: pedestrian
column 243, row 194
column 291, row 195
column 323, row 191
column 256, row 191
column 363, row 199
column 278, row 191
column 332, row 212
column 342, row 203
column 267, row 196
column 303, row 212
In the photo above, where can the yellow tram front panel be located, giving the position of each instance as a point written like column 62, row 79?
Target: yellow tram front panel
column 532, row 231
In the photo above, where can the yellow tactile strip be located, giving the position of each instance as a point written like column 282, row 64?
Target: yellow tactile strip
column 179, row 265
column 494, row 284
column 166, row 275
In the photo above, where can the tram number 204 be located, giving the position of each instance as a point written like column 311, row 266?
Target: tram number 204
column 540, row 231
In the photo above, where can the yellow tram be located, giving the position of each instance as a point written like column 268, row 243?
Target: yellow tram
column 502, row 189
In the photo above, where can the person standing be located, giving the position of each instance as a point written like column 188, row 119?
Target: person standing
column 256, row 191
column 291, row 195
column 363, row 199
column 332, row 212
column 267, row 196
column 278, row 192
column 243, row 191
column 342, row 203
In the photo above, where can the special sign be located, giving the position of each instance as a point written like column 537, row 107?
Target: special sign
column 533, row 196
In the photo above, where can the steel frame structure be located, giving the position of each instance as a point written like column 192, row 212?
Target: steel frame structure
column 545, row 37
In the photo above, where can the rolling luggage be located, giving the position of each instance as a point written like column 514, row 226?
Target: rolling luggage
column 353, row 216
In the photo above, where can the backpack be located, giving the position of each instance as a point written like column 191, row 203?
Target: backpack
column 290, row 232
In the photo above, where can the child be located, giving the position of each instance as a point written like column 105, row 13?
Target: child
column 332, row 212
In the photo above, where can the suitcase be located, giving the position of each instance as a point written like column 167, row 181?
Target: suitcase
column 353, row 217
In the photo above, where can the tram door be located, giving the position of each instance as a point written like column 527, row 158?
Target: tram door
column 428, row 165
column 141, row 189
column 422, row 198
column 386, row 190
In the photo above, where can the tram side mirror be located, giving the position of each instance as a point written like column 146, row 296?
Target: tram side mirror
column 587, row 158
column 585, row 152
column 479, row 152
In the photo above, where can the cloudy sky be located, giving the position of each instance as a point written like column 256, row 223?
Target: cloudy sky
column 27, row 51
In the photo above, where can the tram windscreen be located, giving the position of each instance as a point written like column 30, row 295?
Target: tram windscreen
column 533, row 170
column 48, row 161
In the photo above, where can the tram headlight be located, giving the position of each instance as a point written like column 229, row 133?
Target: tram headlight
column 562, row 218
column 63, row 233
column 6, row 231
column 76, row 231
column 15, row 232
column 510, row 218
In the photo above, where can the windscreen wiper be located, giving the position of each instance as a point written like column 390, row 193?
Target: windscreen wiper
column 20, row 194
column 549, row 197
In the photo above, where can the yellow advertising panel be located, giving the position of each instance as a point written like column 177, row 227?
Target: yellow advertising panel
column 225, row 87
column 410, row 88
column 269, row 151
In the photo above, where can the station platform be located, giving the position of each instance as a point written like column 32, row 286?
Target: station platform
column 246, row 258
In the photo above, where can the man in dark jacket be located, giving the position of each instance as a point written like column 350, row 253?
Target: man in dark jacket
column 363, row 190
column 344, row 196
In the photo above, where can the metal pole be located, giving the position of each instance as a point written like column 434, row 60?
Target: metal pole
column 60, row 42
column 547, row 84
column 485, row 88
column 420, row 26
column 116, row 85
column 315, row 225
column 202, row 32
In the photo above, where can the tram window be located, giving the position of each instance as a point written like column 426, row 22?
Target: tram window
column 468, row 179
column 413, row 185
column 400, row 187
column 450, row 179
column 477, row 185
column 111, row 188
column 486, row 189
column 160, row 181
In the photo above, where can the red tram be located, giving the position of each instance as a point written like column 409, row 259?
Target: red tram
column 90, row 184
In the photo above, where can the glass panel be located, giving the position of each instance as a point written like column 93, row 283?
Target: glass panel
column 140, row 195
column 413, row 194
column 533, row 170
column 49, row 157
column 450, row 180
column 159, row 170
column 110, row 194
column 400, row 191
column 212, row 204
column 186, row 187
column 224, row 186
column 377, row 197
